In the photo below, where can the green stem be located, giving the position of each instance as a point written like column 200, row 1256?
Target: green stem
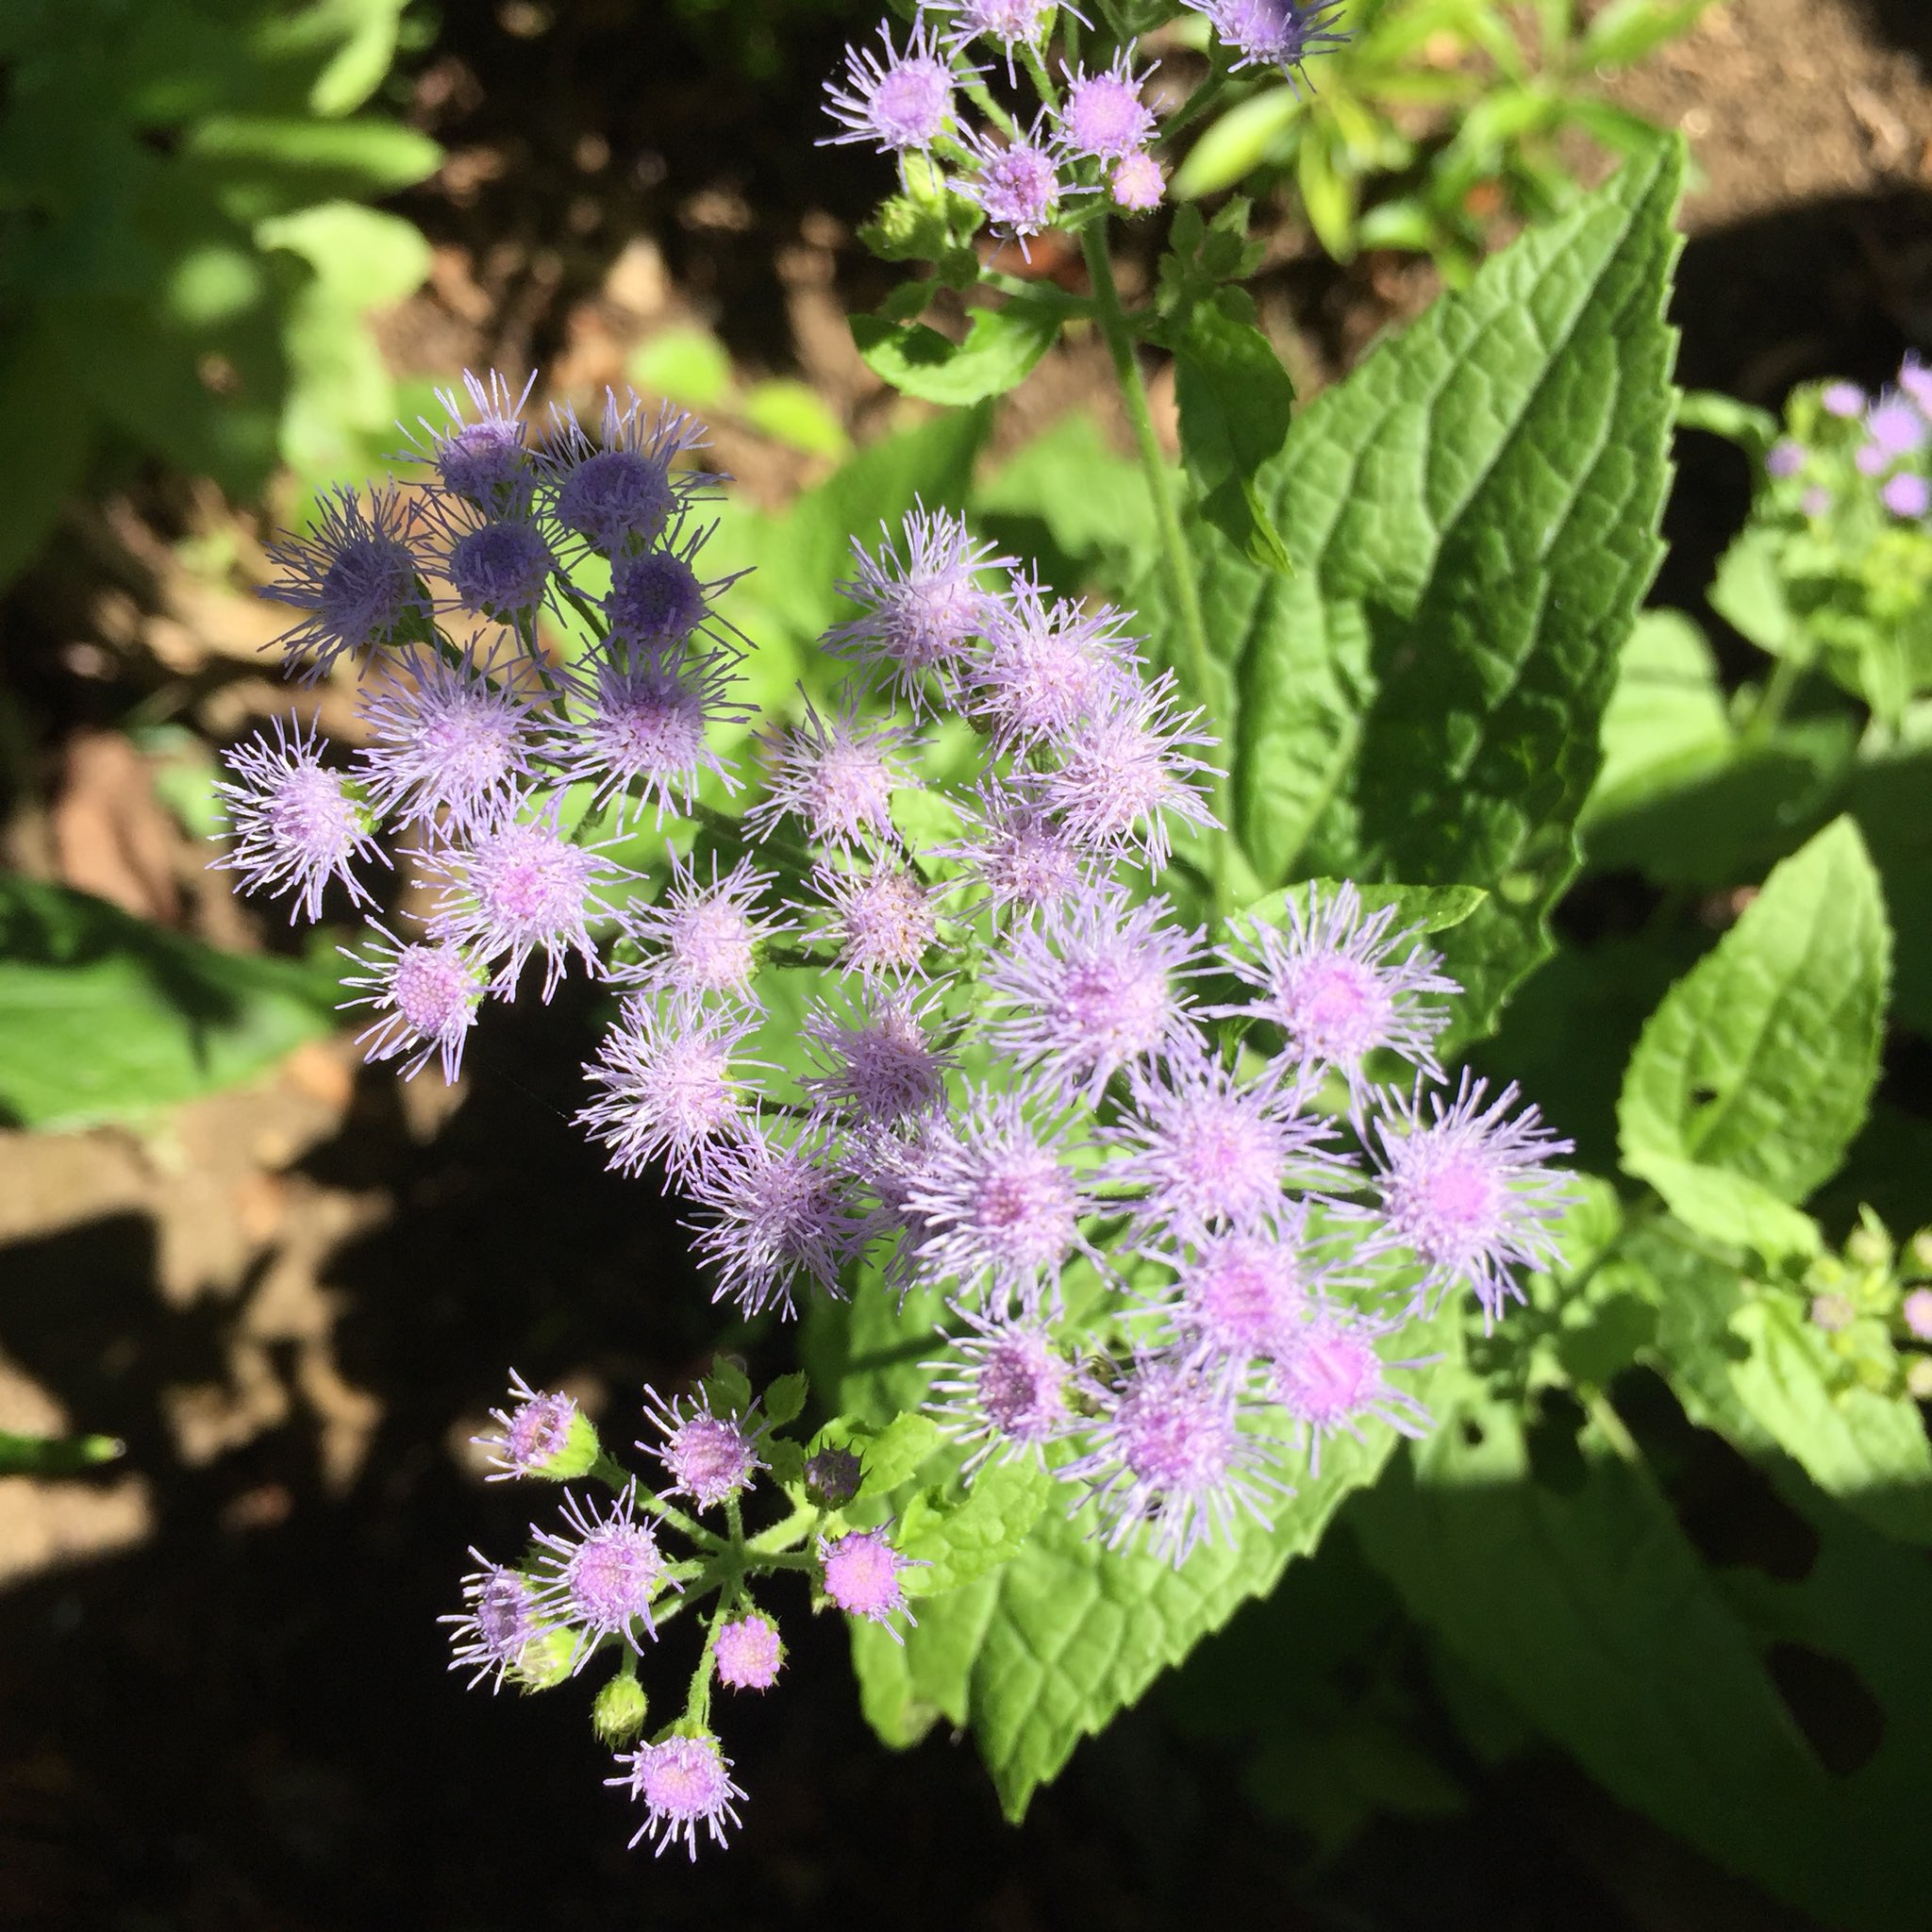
column 1167, row 519
column 783, row 1535
column 1205, row 97
column 1772, row 700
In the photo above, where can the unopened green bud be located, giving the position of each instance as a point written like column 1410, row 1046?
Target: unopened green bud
column 1919, row 1378
column 547, row 1661
column 1869, row 1246
column 1873, row 1373
column 618, row 1715
column 1919, row 1249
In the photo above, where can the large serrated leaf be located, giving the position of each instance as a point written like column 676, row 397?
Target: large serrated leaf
column 1761, row 1060
column 1472, row 520
column 1583, row 1601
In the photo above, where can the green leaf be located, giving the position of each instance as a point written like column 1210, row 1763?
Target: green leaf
column 795, row 414
column 785, row 1399
column 1762, row 1059
column 1237, row 143
column 1002, row 345
column 895, row 1453
column 1626, row 30
column 1729, row 1207
column 104, row 1017
column 964, row 1539
column 44, row 425
column 1754, row 430
column 1866, row 1448
column 1580, row 1598
column 45, row 1455
column 1473, row 518
column 1666, row 722
column 688, row 365
column 1071, row 491
column 1749, row 594
column 1235, row 400
column 1419, row 909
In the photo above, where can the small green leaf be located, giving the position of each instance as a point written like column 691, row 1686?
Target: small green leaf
column 104, row 1017
column 1666, row 722
column 795, row 414
column 1237, row 143
column 1626, row 30
column 1001, row 347
column 688, row 365
column 1752, row 429
column 1235, row 400
column 895, row 1453
column 48, row 1456
column 727, row 1386
column 1419, row 909
column 1762, row 1058
column 1749, row 593
column 785, row 1400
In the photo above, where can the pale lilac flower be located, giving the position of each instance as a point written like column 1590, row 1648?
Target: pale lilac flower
column 1049, row 666
column 1171, row 1458
column 486, row 464
column 1328, row 1376
column 1011, row 23
column 1916, row 1311
column 1468, row 1192
column 1896, row 426
column 709, row 1457
column 997, row 1195
column 359, row 578
column 1103, row 117
column 882, row 919
column 1274, row 33
column 835, row 773
column 1091, row 987
column 709, row 933
column 892, row 1165
column 749, row 1653
column 1014, row 848
column 1871, row 460
column 541, row 1433
column 887, row 1068
column 1340, row 984
column 617, row 489
column 1237, row 1292
column 1005, row 1385
column 779, row 1214
column 450, row 738
column 1907, row 496
column 683, row 1782
column 604, row 1572
column 861, row 1571
column 1128, row 770
column 1137, row 183
column 425, row 993
column 669, row 1087
column 296, row 824
column 1211, row 1150
column 1816, row 502
column 901, row 102
column 920, row 614
column 501, row 1617
column 642, row 728
column 1786, row 458
column 518, row 887
column 1015, row 183
column 1915, row 379
column 1842, row 399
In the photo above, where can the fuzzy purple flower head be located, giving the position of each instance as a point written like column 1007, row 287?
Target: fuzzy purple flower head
column 1103, row 116
column 684, row 1783
column 1007, row 1385
column 900, row 102
column 500, row 1620
column 749, row 1652
column 709, row 1457
column 1136, row 184
column 542, row 1434
column 1915, row 1310
column 1016, row 183
column 1274, row 33
column 426, row 994
column 1907, row 496
column 603, row 1572
column 861, row 1571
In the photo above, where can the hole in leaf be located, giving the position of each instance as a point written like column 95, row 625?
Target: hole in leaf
column 1701, row 1096
column 1842, row 1722
column 1472, row 1432
column 1722, row 1502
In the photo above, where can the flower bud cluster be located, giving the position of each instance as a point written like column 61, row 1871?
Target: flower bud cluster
column 620, row 1560
column 1872, row 1303
column 1847, row 452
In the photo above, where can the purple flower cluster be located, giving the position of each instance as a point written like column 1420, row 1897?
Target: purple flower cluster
column 1024, row 1065
column 466, row 602
column 608, row 1575
column 1887, row 438
column 1091, row 131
